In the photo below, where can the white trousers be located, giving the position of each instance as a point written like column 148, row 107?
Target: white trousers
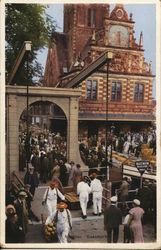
column 62, row 232
column 97, row 202
column 83, row 203
column 51, row 206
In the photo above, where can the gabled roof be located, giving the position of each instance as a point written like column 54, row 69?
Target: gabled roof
column 61, row 44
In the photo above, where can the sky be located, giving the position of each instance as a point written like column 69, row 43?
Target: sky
column 144, row 16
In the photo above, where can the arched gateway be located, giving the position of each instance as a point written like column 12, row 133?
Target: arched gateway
column 66, row 99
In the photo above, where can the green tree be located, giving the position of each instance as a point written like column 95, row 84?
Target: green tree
column 26, row 22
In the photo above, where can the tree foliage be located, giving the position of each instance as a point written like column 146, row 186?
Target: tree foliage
column 26, row 22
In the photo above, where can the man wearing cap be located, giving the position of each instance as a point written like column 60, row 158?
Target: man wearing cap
column 31, row 178
column 83, row 190
column 112, row 220
column 63, row 219
column 50, row 197
column 22, row 213
column 96, row 189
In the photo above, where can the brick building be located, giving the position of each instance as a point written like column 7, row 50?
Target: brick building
column 89, row 31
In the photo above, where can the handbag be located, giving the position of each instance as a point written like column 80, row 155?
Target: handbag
column 126, row 219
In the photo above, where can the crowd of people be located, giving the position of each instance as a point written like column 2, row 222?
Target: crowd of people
column 119, row 212
column 47, row 151
column 48, row 163
column 44, row 148
column 114, row 215
column 47, row 148
column 93, row 153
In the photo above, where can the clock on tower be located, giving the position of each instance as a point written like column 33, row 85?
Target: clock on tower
column 118, row 36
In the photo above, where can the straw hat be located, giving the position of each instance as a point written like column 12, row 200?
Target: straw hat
column 62, row 205
column 53, row 184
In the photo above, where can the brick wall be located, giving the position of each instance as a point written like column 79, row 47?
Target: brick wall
column 126, row 105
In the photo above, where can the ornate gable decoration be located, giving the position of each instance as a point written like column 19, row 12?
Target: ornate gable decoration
column 119, row 13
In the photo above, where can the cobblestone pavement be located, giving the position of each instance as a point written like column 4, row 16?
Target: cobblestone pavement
column 89, row 230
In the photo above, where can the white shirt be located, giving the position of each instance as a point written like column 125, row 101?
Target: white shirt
column 96, row 186
column 62, row 218
column 68, row 166
column 83, row 187
column 52, row 194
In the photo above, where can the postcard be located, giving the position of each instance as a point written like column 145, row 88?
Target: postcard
column 80, row 124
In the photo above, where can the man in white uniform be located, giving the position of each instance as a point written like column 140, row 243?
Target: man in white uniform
column 83, row 191
column 96, row 189
column 50, row 197
column 63, row 219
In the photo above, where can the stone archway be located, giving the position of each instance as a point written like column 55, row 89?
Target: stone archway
column 66, row 99
column 46, row 121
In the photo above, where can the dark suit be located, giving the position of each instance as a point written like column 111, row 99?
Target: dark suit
column 112, row 220
column 32, row 180
column 13, row 234
column 22, row 213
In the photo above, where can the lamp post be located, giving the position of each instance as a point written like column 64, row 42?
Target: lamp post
column 109, row 57
column 108, row 183
column 27, row 49
column 111, row 130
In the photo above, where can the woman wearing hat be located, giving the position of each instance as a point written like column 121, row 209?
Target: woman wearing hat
column 135, row 223
column 10, row 209
column 13, row 232
column 62, row 218
column 50, row 197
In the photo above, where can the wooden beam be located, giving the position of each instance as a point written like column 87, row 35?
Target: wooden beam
column 26, row 47
column 87, row 71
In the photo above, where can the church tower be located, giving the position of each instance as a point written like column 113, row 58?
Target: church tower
column 80, row 21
